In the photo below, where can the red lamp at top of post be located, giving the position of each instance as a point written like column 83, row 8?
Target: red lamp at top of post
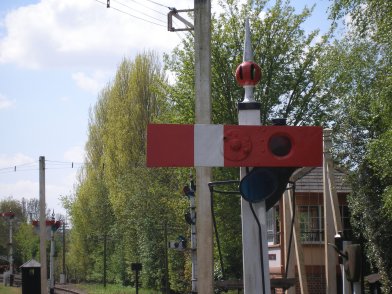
column 51, row 225
column 248, row 73
column 54, row 225
column 8, row 215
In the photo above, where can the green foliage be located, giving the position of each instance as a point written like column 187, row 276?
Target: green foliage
column 11, row 205
column 291, row 86
column 380, row 155
column 371, row 222
column 355, row 69
column 26, row 242
column 228, row 223
column 371, row 18
column 25, row 238
column 117, row 195
column 380, row 159
column 227, row 211
column 363, row 84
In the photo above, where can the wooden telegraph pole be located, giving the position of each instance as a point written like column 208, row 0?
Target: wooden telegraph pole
column 203, row 116
column 42, row 225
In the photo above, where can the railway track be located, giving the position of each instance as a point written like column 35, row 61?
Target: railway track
column 64, row 289
column 58, row 289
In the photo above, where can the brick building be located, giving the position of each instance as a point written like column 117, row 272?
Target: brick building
column 309, row 202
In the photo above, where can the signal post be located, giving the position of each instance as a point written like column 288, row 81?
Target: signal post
column 254, row 246
column 273, row 153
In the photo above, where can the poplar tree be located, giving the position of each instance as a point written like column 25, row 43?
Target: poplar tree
column 117, row 197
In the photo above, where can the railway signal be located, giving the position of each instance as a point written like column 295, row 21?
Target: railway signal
column 178, row 145
column 274, row 152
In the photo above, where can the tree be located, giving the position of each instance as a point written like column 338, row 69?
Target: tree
column 31, row 208
column 371, row 18
column 354, row 68
column 291, row 86
column 371, row 221
column 90, row 211
column 117, row 195
column 14, row 206
column 135, row 99
column 364, row 85
column 26, row 242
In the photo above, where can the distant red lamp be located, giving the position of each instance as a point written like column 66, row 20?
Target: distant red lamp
column 8, row 215
column 51, row 225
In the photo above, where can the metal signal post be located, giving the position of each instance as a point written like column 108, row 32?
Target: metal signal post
column 190, row 218
column 255, row 259
column 275, row 152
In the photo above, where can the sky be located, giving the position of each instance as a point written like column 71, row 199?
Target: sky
column 55, row 57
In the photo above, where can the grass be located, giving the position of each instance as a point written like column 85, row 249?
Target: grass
column 10, row 290
column 117, row 289
column 90, row 289
column 94, row 289
column 112, row 289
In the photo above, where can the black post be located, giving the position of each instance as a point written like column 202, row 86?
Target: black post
column 64, row 247
column 104, row 260
column 167, row 290
column 136, row 267
column 137, row 282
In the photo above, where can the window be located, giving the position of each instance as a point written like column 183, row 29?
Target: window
column 345, row 215
column 311, row 223
column 273, row 228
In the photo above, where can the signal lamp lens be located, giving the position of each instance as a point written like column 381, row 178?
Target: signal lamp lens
column 280, row 145
column 259, row 184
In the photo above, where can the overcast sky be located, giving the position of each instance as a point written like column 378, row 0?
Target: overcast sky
column 55, row 56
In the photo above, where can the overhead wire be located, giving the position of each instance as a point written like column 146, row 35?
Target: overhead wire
column 52, row 165
column 141, row 12
column 132, row 15
column 18, row 171
column 33, row 166
column 14, row 167
column 141, row 4
column 159, row 4
column 157, row 11
column 29, row 166
column 161, row 22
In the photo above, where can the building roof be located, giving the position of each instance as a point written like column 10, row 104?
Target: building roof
column 311, row 180
column 31, row 263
